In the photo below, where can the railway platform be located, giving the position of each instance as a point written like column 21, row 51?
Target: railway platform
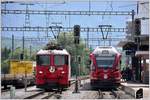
column 132, row 88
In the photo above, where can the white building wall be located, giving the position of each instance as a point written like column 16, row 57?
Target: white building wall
column 144, row 13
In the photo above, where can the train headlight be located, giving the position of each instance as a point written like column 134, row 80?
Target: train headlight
column 62, row 72
column 40, row 72
column 105, row 76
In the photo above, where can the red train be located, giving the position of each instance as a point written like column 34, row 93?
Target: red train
column 105, row 63
column 52, row 69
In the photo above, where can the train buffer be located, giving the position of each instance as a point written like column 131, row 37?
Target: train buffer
column 137, row 90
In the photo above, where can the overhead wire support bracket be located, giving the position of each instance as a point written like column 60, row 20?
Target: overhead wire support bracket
column 106, row 26
column 51, row 12
column 55, row 27
column 62, row 29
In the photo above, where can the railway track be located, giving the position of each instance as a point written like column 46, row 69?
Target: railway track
column 109, row 94
column 5, row 90
column 46, row 95
column 33, row 93
column 100, row 94
column 43, row 95
column 113, row 94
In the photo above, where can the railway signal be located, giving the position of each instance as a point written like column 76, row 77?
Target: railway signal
column 137, row 26
column 137, row 30
column 76, row 34
column 76, row 41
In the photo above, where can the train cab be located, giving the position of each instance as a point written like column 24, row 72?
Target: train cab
column 53, row 69
column 105, row 64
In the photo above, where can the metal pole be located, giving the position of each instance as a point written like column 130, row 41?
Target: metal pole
column 137, row 8
column 64, row 40
column 76, row 90
column 133, row 34
column 87, row 37
column 79, row 69
column 89, row 6
column 85, row 42
column 23, row 46
column 12, row 46
column 30, row 51
column 25, row 78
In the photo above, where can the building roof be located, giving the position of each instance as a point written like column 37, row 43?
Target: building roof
column 122, row 43
column 144, row 54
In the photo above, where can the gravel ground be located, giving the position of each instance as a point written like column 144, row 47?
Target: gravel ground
column 20, row 93
column 85, row 92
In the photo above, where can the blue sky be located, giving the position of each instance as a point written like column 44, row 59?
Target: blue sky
column 84, row 21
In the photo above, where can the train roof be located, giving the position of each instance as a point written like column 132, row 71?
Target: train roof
column 59, row 52
column 105, row 49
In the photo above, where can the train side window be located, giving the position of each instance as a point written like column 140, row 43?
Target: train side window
column 43, row 60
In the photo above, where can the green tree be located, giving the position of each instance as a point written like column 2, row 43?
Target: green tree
column 5, row 53
column 5, row 66
column 4, row 61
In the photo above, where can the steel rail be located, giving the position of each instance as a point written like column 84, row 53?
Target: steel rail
column 115, row 94
column 49, row 95
column 34, row 95
column 100, row 93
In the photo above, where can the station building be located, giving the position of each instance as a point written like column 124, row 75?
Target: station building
column 136, row 45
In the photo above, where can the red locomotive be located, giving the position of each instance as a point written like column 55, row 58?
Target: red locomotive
column 52, row 69
column 105, row 63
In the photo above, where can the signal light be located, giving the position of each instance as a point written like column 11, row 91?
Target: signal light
column 137, row 26
column 76, row 34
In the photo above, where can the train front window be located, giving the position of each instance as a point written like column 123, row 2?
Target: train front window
column 59, row 59
column 104, row 61
column 43, row 60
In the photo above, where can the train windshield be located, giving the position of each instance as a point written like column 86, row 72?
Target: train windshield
column 43, row 60
column 59, row 59
column 104, row 61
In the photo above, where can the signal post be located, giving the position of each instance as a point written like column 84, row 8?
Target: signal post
column 76, row 41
